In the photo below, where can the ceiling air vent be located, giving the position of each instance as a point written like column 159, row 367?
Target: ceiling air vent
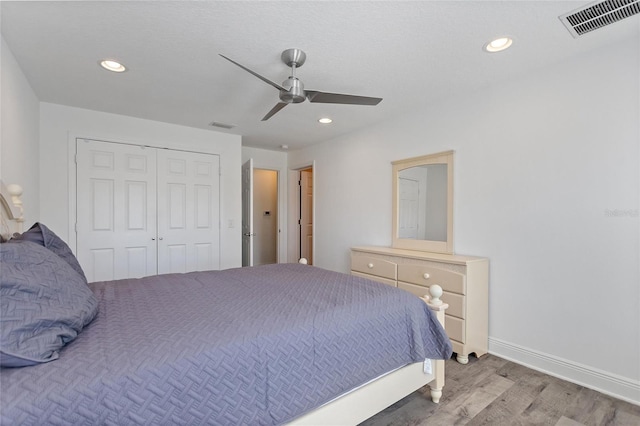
column 221, row 125
column 599, row 14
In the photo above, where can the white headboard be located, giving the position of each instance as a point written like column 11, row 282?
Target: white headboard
column 11, row 213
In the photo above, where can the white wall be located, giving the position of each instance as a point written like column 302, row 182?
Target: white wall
column 20, row 123
column 541, row 162
column 273, row 160
column 60, row 125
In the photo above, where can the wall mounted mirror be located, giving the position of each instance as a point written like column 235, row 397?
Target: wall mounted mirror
column 423, row 203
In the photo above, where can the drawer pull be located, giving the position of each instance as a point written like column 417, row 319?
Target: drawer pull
column 370, row 266
column 426, row 276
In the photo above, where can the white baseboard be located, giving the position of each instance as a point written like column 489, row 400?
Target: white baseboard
column 589, row 377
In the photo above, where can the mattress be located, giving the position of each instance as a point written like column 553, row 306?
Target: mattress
column 260, row 345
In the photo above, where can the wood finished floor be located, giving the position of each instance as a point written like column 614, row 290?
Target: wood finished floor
column 493, row 391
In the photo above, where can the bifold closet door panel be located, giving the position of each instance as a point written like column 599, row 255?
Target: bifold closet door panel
column 116, row 210
column 143, row 211
column 188, row 211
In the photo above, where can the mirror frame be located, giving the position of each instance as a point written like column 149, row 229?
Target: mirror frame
column 424, row 245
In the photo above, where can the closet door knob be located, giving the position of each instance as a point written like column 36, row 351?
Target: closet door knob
column 161, row 238
column 426, row 276
column 370, row 266
column 153, row 238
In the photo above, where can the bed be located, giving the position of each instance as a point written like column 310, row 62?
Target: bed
column 274, row 344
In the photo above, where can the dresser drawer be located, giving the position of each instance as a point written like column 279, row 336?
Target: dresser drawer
column 452, row 282
column 455, row 328
column 386, row 281
column 374, row 266
column 455, row 301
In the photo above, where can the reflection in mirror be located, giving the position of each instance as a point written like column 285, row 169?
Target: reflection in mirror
column 423, row 203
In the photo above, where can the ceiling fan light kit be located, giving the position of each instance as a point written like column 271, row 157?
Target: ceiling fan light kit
column 292, row 89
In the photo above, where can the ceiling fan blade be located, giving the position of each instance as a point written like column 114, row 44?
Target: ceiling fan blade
column 273, row 111
column 266, row 80
column 338, row 98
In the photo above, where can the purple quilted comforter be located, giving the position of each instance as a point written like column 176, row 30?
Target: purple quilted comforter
column 258, row 345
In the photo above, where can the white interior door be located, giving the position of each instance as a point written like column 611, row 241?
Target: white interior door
column 247, row 213
column 306, row 215
column 409, row 190
column 116, row 210
column 188, row 211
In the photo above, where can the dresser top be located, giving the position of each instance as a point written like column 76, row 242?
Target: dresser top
column 439, row 257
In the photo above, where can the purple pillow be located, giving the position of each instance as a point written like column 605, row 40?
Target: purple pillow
column 44, row 304
column 45, row 237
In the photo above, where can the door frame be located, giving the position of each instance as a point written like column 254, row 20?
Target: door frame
column 246, row 226
column 293, row 227
column 260, row 162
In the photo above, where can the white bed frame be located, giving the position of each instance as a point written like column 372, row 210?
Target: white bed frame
column 348, row 409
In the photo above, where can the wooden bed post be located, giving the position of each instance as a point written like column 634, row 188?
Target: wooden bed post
column 11, row 209
column 16, row 194
column 436, row 305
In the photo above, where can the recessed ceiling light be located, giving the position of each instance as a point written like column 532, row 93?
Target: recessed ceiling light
column 498, row 44
column 325, row 120
column 114, row 66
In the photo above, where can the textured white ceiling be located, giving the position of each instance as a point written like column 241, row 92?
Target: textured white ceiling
column 409, row 53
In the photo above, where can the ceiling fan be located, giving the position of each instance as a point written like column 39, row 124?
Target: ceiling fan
column 292, row 90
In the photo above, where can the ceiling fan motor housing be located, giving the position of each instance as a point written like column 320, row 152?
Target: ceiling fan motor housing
column 294, row 93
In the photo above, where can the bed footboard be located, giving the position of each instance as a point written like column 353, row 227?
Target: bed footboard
column 438, row 306
column 362, row 403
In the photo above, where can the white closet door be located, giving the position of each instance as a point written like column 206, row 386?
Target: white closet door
column 116, row 210
column 188, row 211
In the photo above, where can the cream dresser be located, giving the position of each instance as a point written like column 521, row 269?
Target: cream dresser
column 464, row 279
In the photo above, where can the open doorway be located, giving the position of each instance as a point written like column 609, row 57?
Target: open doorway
column 301, row 213
column 265, row 216
column 305, row 219
column 260, row 216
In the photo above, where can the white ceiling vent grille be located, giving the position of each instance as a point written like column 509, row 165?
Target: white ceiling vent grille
column 599, row 14
column 222, row 125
